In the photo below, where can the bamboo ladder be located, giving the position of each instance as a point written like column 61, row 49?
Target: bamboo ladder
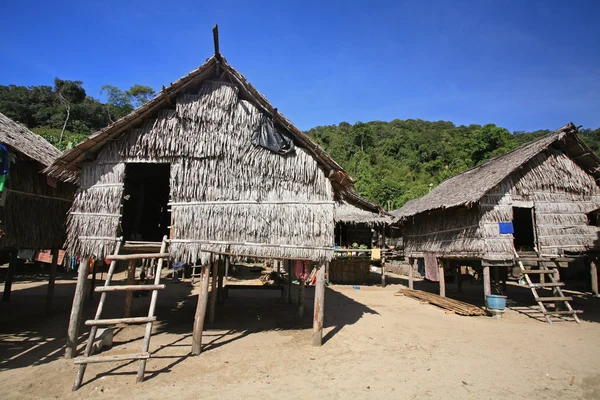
column 555, row 284
column 97, row 321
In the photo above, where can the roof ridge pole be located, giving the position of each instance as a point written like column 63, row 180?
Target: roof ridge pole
column 216, row 40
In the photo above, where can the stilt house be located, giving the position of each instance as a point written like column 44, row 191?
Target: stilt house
column 33, row 206
column 211, row 164
column 538, row 201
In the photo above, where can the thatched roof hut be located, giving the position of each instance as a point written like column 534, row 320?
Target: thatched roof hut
column 34, row 206
column 225, row 190
column 543, row 190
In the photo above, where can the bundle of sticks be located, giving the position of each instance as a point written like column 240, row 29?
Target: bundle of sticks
column 455, row 306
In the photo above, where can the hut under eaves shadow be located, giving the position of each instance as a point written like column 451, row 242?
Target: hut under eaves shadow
column 33, row 206
column 541, row 197
column 211, row 164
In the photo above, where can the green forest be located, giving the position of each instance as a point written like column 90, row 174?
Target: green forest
column 392, row 162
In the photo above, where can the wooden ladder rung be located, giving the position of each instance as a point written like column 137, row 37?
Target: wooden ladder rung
column 570, row 312
column 549, row 284
column 115, row 321
column 553, row 298
column 120, row 288
column 137, row 256
column 538, row 271
column 116, row 357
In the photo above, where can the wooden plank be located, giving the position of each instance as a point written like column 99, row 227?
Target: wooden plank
column 548, row 284
column 76, row 309
column 319, row 309
column 113, row 358
column 213, row 290
column 51, row 281
column 411, row 273
column 537, row 271
column 456, row 306
column 128, row 257
column 201, row 310
column 567, row 312
column 12, row 266
column 115, row 321
column 564, row 298
column 124, row 288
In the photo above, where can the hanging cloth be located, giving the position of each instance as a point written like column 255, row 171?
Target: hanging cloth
column 302, row 269
column 431, row 267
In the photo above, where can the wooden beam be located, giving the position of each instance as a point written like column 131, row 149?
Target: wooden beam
column 594, row 276
column 213, row 290
column 129, row 294
column 220, row 297
column 201, row 310
column 382, row 271
column 216, row 40
column 442, row 278
column 77, row 308
column 93, row 270
column 411, row 273
column 301, row 287
column 12, row 266
column 289, row 283
column 51, row 281
column 319, row 310
column 127, row 257
column 487, row 287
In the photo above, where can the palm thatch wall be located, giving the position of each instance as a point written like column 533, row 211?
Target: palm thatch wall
column 226, row 194
column 34, row 208
column 556, row 176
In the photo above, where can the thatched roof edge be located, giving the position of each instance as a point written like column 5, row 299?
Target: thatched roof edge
column 24, row 141
column 467, row 188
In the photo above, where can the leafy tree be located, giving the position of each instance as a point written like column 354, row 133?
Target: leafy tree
column 68, row 93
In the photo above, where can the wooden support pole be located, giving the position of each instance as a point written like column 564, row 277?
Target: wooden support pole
column 594, row 276
column 301, row 287
column 12, row 266
column 77, row 309
column 226, row 268
column 213, row 290
column 487, row 287
column 459, row 278
column 129, row 294
column 289, row 283
column 93, row 268
column 51, row 281
column 220, row 298
column 319, row 311
column 442, row 278
column 382, row 271
column 411, row 273
column 201, row 310
column 327, row 274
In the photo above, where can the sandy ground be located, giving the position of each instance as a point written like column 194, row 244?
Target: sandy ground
column 377, row 345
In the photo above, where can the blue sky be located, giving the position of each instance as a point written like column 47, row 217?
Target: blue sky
column 524, row 65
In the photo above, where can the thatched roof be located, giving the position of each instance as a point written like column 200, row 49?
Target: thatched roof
column 469, row 187
column 67, row 166
column 24, row 141
column 350, row 214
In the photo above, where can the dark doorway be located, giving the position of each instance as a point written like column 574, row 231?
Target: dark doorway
column 145, row 202
column 524, row 237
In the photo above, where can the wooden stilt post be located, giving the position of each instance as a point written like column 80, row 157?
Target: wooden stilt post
column 411, row 273
column 459, row 278
column 487, row 287
column 442, row 278
column 382, row 271
column 10, row 275
column 213, row 290
column 201, row 310
column 594, row 276
column 129, row 293
column 289, row 288
column 220, row 298
column 301, row 299
column 93, row 284
column 51, row 281
column 319, row 311
column 327, row 274
column 226, row 268
column 77, row 309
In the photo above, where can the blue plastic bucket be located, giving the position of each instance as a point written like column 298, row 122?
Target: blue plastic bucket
column 495, row 302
